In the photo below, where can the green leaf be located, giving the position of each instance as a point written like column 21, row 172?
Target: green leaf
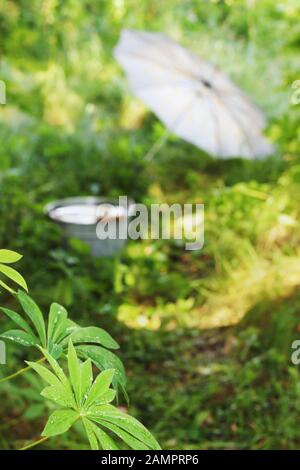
column 104, row 359
column 57, row 321
column 6, row 287
column 45, row 373
column 106, row 442
column 33, row 312
column 131, row 441
column 57, row 369
column 71, row 326
column 59, row 422
column 127, row 423
column 12, row 274
column 86, row 378
column 93, row 334
column 99, row 387
column 55, row 350
column 59, row 395
column 95, row 434
column 15, row 317
column 124, row 391
column 90, row 434
column 20, row 337
column 8, row 256
column 64, row 334
column 74, row 371
column 104, row 399
column 58, row 381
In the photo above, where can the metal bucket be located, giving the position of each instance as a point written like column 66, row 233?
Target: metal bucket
column 79, row 216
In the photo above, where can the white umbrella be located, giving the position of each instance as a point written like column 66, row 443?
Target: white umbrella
column 192, row 97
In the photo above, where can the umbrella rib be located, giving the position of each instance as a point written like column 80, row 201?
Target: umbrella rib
column 192, row 55
column 163, row 65
column 246, row 107
column 160, row 142
column 174, row 44
column 216, row 119
column 160, row 85
column 254, row 108
column 231, row 114
column 190, row 105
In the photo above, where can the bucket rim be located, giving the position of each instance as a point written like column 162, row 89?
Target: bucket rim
column 85, row 200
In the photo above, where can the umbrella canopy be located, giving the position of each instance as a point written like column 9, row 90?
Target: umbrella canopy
column 192, row 97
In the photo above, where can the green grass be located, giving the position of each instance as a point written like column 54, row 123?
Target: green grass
column 205, row 336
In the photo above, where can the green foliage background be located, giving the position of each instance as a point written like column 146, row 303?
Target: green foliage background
column 205, row 336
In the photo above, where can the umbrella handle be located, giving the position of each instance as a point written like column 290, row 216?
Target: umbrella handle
column 157, row 146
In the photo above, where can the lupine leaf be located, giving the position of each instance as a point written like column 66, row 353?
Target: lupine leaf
column 70, row 327
column 20, row 337
column 104, row 439
column 104, row 359
column 6, row 287
column 57, row 321
column 8, row 256
column 15, row 317
column 12, row 274
column 56, row 369
column 103, row 399
column 58, row 381
column 59, row 422
column 33, row 312
column 99, row 387
column 45, row 373
column 55, row 350
column 106, row 442
column 86, row 378
column 74, row 371
column 130, row 440
column 59, row 395
column 93, row 334
column 128, row 423
column 90, row 434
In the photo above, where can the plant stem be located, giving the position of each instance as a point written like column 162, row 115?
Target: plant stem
column 21, row 371
column 35, row 443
